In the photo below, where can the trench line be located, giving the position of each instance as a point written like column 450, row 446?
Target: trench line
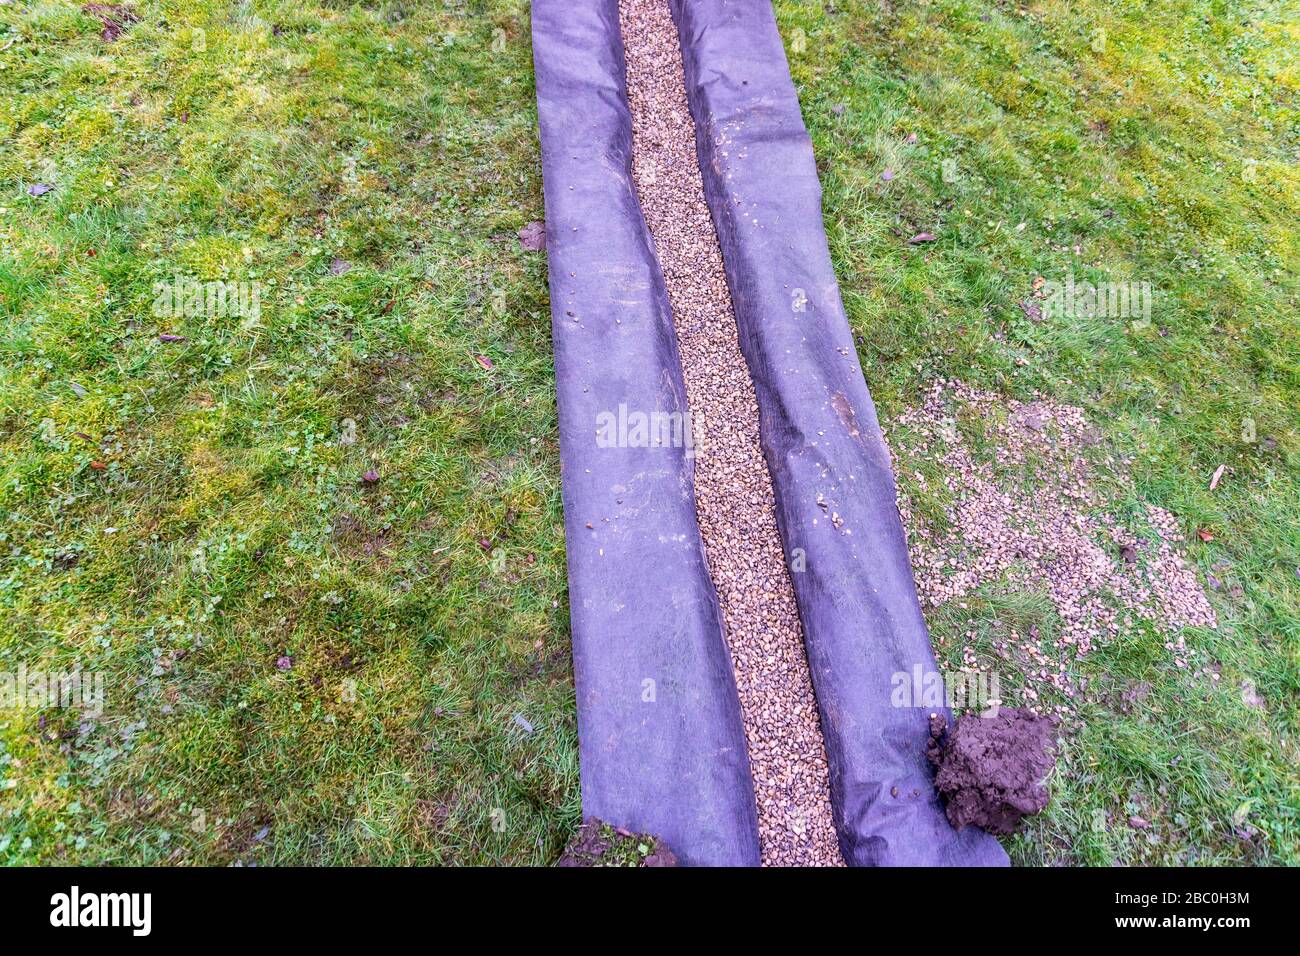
column 733, row 489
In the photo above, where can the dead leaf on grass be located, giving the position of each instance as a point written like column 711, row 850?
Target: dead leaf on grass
column 532, row 238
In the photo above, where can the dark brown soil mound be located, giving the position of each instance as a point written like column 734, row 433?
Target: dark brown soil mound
column 599, row 844
column 992, row 770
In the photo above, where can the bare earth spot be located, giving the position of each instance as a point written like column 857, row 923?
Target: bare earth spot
column 599, row 844
column 114, row 17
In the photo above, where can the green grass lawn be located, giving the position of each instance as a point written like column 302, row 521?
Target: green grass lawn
column 303, row 666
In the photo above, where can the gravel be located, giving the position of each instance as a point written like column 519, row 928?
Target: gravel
column 1032, row 502
column 733, row 490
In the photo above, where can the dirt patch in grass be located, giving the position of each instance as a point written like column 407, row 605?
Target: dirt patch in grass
column 599, row 844
column 355, row 537
column 1020, row 496
column 115, row 18
column 388, row 391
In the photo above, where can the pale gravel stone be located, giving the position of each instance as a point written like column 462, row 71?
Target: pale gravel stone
column 1028, row 510
column 733, row 490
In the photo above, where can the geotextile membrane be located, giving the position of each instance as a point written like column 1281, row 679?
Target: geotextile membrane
column 661, row 744
column 644, row 607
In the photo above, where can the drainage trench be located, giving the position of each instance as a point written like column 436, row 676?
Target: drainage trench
column 733, row 489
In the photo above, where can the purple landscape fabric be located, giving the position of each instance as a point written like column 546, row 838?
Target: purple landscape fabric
column 661, row 742
column 857, row 599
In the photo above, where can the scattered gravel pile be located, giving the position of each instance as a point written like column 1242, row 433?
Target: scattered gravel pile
column 733, row 490
column 1025, row 508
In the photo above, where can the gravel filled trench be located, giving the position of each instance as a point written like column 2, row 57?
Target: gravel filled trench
column 733, row 490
